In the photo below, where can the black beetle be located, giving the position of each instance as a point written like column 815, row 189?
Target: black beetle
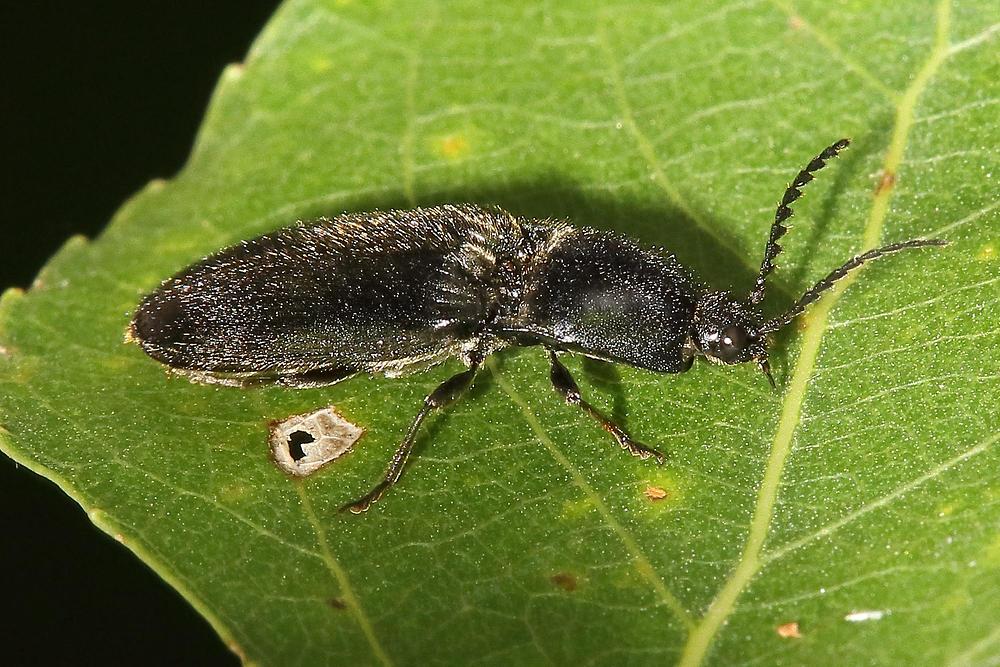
column 397, row 291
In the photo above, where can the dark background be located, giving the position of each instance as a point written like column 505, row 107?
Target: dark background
column 96, row 100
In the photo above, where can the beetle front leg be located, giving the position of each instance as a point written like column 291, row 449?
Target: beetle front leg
column 564, row 383
column 447, row 393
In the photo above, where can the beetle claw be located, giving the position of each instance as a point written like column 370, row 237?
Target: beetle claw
column 362, row 504
column 642, row 451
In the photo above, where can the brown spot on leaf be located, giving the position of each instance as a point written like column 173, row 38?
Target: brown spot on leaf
column 337, row 603
column 795, row 22
column 886, row 182
column 655, row 493
column 789, row 630
column 565, row 581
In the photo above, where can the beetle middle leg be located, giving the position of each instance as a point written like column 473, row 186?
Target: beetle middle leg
column 446, row 393
column 564, row 383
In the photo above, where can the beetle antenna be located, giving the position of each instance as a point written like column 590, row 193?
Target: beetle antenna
column 784, row 212
column 816, row 290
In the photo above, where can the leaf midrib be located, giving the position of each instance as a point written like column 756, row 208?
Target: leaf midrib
column 701, row 638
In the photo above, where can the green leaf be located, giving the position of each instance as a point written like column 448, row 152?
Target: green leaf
column 861, row 500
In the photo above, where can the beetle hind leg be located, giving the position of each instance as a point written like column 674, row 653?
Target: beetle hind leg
column 446, row 393
column 564, row 383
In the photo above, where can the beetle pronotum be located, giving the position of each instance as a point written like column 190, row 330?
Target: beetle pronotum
column 397, row 291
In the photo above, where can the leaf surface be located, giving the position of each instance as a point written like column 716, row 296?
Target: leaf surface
column 860, row 500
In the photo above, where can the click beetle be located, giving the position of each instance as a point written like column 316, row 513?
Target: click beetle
column 392, row 292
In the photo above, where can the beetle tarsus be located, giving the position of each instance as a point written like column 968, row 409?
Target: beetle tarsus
column 446, row 393
column 363, row 504
column 564, row 383
column 624, row 439
column 642, row 451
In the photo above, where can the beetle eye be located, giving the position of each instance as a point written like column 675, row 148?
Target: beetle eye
column 732, row 342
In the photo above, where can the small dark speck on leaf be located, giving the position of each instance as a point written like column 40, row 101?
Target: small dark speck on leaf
column 336, row 603
column 565, row 581
column 789, row 630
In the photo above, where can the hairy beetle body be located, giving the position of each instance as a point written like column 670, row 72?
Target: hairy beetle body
column 398, row 291
column 601, row 295
column 313, row 303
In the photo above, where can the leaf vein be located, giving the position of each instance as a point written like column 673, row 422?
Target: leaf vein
column 831, row 528
column 631, row 545
column 340, row 576
column 648, row 152
column 834, row 49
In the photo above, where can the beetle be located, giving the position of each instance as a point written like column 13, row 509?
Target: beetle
column 393, row 292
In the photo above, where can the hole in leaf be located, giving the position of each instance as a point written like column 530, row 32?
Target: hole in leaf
column 295, row 442
column 302, row 444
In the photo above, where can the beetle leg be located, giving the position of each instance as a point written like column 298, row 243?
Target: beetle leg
column 447, row 393
column 687, row 360
column 564, row 383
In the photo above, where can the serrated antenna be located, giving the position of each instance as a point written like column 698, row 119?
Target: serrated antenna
column 784, row 212
column 837, row 274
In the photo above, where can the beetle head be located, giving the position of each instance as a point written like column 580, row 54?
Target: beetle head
column 728, row 331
